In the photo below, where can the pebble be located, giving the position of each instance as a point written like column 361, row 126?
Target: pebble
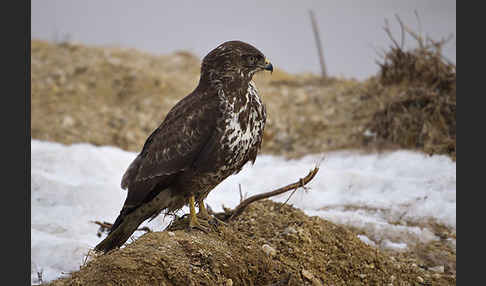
column 438, row 268
column 170, row 233
column 307, row 274
column 269, row 250
column 67, row 121
column 420, row 279
column 289, row 230
column 229, row 282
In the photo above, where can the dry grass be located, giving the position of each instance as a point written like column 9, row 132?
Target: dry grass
column 420, row 109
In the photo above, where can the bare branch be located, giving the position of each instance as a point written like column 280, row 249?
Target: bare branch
column 402, row 31
column 380, row 52
column 106, row 227
column 419, row 22
column 389, row 33
column 231, row 214
column 241, row 194
column 419, row 38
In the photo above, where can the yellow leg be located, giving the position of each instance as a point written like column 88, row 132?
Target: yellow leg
column 203, row 212
column 193, row 222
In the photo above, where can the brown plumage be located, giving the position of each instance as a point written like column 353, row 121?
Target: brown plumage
column 206, row 137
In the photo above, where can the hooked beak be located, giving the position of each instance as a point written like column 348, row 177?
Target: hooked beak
column 268, row 66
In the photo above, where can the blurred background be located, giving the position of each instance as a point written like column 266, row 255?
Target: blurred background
column 350, row 30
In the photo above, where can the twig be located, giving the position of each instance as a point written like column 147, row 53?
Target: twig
column 389, row 33
column 241, row 195
column 231, row 214
column 105, row 224
column 402, row 31
column 419, row 38
column 418, row 22
column 39, row 276
column 106, row 227
column 291, row 194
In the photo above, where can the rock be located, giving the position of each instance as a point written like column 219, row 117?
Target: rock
column 228, row 282
column 438, row 268
column 67, row 121
column 269, row 250
column 309, row 276
column 420, row 279
column 170, row 233
column 289, row 230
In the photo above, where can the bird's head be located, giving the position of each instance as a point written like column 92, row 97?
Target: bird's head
column 233, row 60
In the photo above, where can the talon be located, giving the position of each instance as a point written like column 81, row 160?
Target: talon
column 203, row 213
column 197, row 226
column 193, row 221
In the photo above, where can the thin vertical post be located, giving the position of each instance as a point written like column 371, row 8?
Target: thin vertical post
column 318, row 44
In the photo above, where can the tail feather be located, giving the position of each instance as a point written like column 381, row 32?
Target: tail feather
column 124, row 227
column 127, row 222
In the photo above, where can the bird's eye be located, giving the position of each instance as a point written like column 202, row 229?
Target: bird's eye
column 252, row 60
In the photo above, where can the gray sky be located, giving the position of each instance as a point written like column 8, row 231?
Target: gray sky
column 350, row 30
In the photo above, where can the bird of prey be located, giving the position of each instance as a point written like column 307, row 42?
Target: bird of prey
column 206, row 137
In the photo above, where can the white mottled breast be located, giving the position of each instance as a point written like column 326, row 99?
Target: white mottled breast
column 238, row 142
column 240, row 139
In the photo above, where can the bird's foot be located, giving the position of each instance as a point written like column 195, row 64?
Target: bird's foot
column 193, row 221
column 203, row 216
column 210, row 220
column 199, row 224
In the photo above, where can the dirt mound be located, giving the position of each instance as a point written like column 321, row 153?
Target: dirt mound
column 420, row 110
column 266, row 245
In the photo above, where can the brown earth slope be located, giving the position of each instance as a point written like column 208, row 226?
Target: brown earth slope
column 267, row 245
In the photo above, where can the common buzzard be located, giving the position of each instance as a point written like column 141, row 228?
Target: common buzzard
column 206, row 137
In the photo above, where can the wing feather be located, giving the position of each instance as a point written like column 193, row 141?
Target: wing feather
column 172, row 148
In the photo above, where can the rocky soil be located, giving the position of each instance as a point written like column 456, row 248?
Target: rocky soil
column 267, row 245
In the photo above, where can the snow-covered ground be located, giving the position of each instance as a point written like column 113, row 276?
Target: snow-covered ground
column 383, row 194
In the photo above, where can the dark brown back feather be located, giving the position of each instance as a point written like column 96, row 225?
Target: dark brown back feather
column 172, row 148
